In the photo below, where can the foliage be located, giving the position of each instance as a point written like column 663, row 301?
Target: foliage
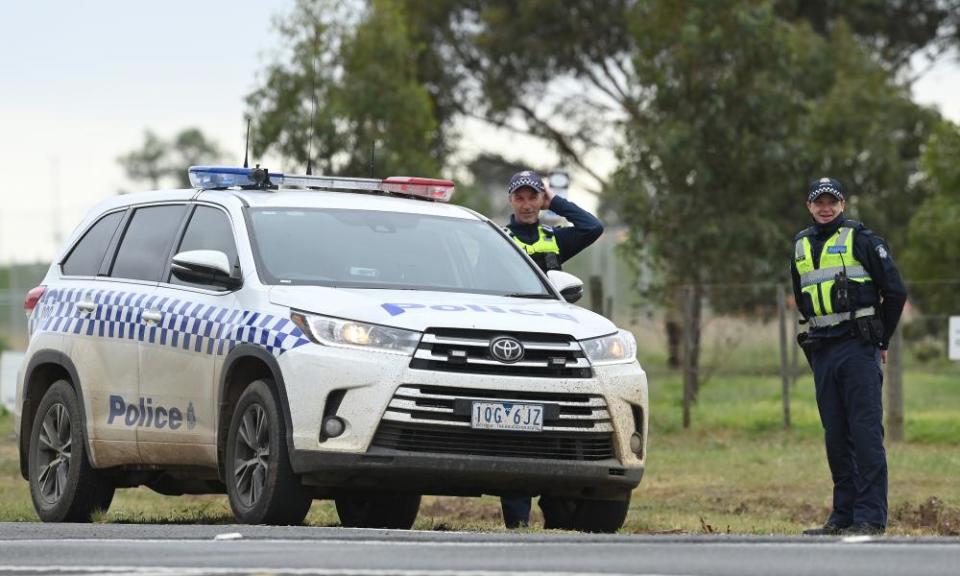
column 158, row 160
column 893, row 30
column 934, row 232
column 363, row 79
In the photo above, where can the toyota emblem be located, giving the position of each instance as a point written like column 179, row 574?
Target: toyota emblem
column 506, row 349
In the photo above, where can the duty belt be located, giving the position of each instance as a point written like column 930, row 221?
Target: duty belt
column 831, row 319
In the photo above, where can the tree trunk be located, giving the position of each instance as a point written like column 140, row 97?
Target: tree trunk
column 674, row 337
column 596, row 293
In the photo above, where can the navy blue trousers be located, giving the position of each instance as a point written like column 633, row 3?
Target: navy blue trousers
column 849, row 384
column 516, row 510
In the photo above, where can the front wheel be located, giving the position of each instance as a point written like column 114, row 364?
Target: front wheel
column 584, row 515
column 378, row 509
column 261, row 485
column 63, row 485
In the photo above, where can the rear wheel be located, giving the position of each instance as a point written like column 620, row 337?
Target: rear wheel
column 378, row 509
column 584, row 515
column 63, row 485
column 261, row 485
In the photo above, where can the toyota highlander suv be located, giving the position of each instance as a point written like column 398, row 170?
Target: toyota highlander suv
column 283, row 338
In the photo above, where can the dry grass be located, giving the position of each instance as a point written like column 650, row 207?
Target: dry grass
column 735, row 471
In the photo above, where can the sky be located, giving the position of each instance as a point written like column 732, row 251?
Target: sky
column 81, row 81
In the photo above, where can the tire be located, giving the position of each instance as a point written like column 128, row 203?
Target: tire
column 584, row 515
column 378, row 509
column 63, row 485
column 261, row 485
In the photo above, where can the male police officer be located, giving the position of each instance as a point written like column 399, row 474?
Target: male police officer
column 850, row 292
column 549, row 248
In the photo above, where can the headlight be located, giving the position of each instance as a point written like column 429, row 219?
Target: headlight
column 349, row 334
column 619, row 348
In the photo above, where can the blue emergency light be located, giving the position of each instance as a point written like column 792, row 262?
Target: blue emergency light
column 208, row 177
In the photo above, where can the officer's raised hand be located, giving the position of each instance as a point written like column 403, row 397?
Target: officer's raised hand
column 548, row 195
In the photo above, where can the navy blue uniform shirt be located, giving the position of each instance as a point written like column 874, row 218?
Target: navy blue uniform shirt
column 571, row 240
column 872, row 251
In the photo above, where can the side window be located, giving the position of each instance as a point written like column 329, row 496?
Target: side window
column 146, row 244
column 87, row 254
column 209, row 229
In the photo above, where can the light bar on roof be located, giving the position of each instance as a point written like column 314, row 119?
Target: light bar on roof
column 432, row 188
column 207, row 177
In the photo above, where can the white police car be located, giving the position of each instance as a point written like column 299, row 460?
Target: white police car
column 283, row 338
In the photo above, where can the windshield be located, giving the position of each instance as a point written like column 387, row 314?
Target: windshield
column 388, row 250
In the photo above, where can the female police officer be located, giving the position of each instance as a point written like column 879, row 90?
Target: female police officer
column 850, row 293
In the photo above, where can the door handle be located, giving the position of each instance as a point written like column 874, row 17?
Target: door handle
column 152, row 316
column 87, row 306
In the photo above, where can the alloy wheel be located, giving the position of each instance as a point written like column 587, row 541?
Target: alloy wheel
column 252, row 455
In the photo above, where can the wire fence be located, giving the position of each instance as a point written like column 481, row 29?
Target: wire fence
column 739, row 323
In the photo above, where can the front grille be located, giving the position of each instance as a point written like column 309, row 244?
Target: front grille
column 546, row 355
column 451, row 406
column 441, row 439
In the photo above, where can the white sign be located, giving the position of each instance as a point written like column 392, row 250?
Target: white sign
column 9, row 364
column 954, row 338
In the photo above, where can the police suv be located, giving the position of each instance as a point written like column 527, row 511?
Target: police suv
column 282, row 338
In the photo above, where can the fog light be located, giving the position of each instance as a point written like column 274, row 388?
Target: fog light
column 636, row 443
column 333, row 427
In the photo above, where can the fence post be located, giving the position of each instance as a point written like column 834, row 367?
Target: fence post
column 687, row 354
column 794, row 347
column 895, row 387
column 784, row 368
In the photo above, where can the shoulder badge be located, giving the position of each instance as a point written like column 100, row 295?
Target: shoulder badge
column 805, row 232
column 882, row 252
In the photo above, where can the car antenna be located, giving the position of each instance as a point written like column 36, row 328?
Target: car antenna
column 313, row 113
column 246, row 147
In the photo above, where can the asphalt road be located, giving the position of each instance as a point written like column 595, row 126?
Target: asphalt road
column 152, row 549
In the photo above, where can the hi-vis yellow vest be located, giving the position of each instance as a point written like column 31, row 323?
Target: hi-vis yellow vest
column 817, row 280
column 545, row 244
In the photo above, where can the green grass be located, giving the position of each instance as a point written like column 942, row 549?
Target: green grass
column 735, row 470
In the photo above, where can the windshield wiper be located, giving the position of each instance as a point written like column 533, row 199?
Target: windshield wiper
column 535, row 295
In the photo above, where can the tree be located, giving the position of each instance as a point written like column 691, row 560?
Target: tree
column 349, row 90
column 147, row 163
column 746, row 108
column 894, row 30
column 158, row 160
column 933, row 231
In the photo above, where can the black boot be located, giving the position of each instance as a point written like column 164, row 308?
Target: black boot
column 827, row 529
column 863, row 529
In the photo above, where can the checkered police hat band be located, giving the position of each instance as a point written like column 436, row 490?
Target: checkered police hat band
column 828, row 189
column 525, row 181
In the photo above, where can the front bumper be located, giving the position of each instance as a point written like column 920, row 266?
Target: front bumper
column 454, row 475
column 367, row 386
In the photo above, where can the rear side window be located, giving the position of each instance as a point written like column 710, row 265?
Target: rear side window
column 209, row 229
column 145, row 247
column 86, row 256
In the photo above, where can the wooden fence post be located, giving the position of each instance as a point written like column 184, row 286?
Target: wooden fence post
column 784, row 352
column 895, row 387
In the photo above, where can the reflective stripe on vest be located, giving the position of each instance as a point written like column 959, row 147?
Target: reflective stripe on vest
column 544, row 244
column 831, row 319
column 836, row 256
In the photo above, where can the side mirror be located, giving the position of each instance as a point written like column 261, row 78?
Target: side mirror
column 569, row 286
column 204, row 267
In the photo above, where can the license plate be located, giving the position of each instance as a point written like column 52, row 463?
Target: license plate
column 507, row 416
